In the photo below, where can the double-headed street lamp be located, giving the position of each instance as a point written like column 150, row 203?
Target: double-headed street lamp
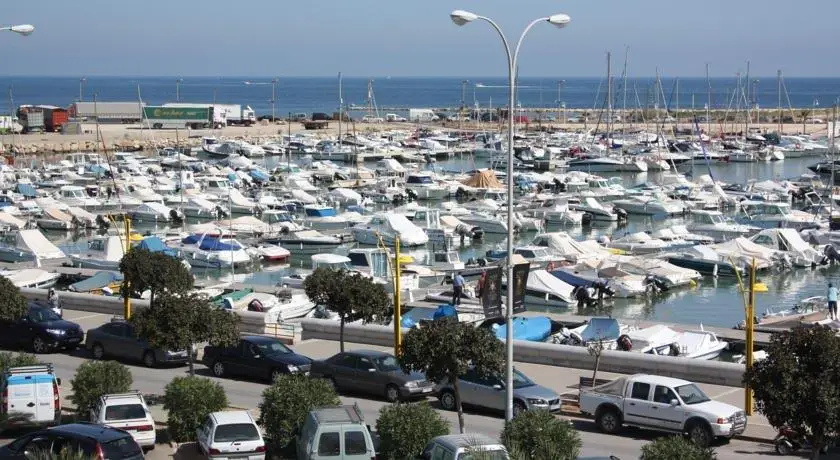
column 23, row 29
column 460, row 17
column 178, row 89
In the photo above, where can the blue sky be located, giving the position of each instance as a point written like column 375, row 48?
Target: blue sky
column 416, row 38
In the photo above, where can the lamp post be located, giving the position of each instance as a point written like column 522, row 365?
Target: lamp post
column 273, row 99
column 178, row 89
column 22, row 29
column 460, row 18
column 560, row 104
column 81, row 93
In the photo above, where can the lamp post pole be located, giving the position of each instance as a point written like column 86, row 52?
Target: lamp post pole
column 81, row 93
column 460, row 18
column 273, row 98
column 178, row 89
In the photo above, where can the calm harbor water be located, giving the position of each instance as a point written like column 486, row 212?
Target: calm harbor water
column 711, row 302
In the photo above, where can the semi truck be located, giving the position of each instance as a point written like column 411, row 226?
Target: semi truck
column 235, row 114
column 108, row 112
column 31, row 118
column 193, row 117
column 54, row 117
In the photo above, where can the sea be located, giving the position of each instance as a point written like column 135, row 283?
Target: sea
column 398, row 94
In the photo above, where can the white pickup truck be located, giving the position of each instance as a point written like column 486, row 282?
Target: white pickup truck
column 664, row 404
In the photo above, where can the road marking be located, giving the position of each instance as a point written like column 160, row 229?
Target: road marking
column 95, row 315
column 728, row 392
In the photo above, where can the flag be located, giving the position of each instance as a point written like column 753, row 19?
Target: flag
column 491, row 293
column 520, row 282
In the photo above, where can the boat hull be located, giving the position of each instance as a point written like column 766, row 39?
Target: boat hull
column 705, row 267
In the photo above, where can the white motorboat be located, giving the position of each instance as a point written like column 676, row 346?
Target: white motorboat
column 638, row 243
column 606, row 331
column 597, row 211
column 537, row 256
column 559, row 214
column 678, row 235
column 197, row 207
column 650, row 205
column 240, row 204
column 154, row 212
column 270, row 253
column 384, row 228
column 665, row 273
column 288, row 306
column 332, row 261
column 778, row 215
column 323, row 218
column 596, row 164
column 425, row 188
column 226, row 149
column 378, row 264
column 700, row 344
column 664, row 341
column 546, row 290
column 74, row 195
column 209, row 251
column 103, row 253
column 55, row 219
column 489, row 223
column 305, row 241
column 82, row 218
column 788, row 241
column 717, row 226
column 622, row 283
column 34, row 278
column 28, row 245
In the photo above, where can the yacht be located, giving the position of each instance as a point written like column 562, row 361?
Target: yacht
column 653, row 205
column 596, row 164
column 597, row 211
column 103, row 253
column 716, row 225
column 74, row 195
column 154, row 212
column 424, row 186
column 323, row 218
column 305, row 241
column 209, row 251
column 777, row 215
column 383, row 228
column 55, row 219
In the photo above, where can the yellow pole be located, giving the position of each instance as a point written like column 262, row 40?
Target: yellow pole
column 748, row 399
column 126, row 299
column 397, row 313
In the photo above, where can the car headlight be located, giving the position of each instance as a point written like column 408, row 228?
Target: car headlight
column 412, row 384
column 724, row 421
column 292, row 368
column 537, row 401
column 56, row 331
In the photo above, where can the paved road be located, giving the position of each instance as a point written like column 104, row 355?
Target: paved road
column 247, row 394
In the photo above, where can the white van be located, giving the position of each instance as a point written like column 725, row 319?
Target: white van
column 31, row 396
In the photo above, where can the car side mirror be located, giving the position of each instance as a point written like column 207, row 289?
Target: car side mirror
column 58, row 381
column 257, row 356
column 497, row 387
column 371, row 370
column 675, row 403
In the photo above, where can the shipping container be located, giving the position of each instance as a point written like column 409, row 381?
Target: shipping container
column 162, row 117
column 108, row 112
column 235, row 114
column 55, row 118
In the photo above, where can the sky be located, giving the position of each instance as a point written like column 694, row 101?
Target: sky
column 416, row 38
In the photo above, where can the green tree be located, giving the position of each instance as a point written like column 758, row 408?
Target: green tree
column 13, row 305
column 144, row 270
column 351, row 295
column 178, row 322
column 676, row 448
column 286, row 403
column 798, row 384
column 445, row 349
column 405, row 429
column 9, row 360
column 94, row 379
column 539, row 435
column 188, row 401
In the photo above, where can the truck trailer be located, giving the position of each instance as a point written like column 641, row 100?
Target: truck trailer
column 192, row 117
column 108, row 112
column 235, row 114
column 31, row 118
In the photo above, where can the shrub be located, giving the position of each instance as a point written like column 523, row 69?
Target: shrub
column 9, row 360
column 405, row 429
column 539, row 435
column 287, row 402
column 675, row 448
column 94, row 379
column 189, row 400
column 13, row 305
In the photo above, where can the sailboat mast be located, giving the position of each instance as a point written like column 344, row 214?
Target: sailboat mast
column 779, row 106
column 340, row 104
column 833, row 152
column 708, row 103
column 609, row 98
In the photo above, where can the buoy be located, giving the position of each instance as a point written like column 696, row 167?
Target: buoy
column 693, row 283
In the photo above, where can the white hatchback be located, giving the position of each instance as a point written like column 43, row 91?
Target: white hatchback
column 231, row 434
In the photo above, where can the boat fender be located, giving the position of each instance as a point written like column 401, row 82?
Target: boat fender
column 674, row 349
column 575, row 338
column 624, row 343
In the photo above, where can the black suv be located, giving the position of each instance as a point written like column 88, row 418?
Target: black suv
column 85, row 440
column 42, row 330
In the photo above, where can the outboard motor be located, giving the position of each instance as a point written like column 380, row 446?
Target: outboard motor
column 624, row 343
column 830, row 254
column 673, row 350
column 654, row 284
column 102, row 223
column 221, row 212
column 176, row 217
column 587, row 219
column 412, row 195
column 621, row 213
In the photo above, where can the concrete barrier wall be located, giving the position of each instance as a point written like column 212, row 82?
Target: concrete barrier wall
column 695, row 370
column 250, row 322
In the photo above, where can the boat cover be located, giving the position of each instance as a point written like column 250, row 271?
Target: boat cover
column 245, row 224
column 484, row 179
column 40, row 246
column 155, row 244
column 27, row 190
column 346, row 195
column 445, row 311
column 543, row 281
column 742, row 247
column 57, row 214
column 155, row 208
column 212, row 244
column 81, row 215
column 656, row 336
column 532, row 328
column 303, row 197
column 600, row 329
column 201, row 203
column 98, row 281
column 414, row 316
column 258, row 175
column 12, row 221
column 237, row 198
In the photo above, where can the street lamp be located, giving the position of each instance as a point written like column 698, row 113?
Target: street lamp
column 23, row 29
column 81, row 93
column 178, row 89
column 560, row 104
column 460, row 18
column 273, row 99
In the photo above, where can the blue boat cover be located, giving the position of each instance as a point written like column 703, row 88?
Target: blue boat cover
column 212, row 244
column 97, row 170
column 414, row 316
column 27, row 190
column 98, row 281
column 259, row 175
column 600, row 329
column 155, row 244
column 233, row 177
column 357, row 208
column 191, row 239
column 320, row 212
column 445, row 311
column 533, row 328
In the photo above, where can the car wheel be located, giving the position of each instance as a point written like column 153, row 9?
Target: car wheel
column 149, row 359
column 447, row 400
column 218, row 369
column 98, row 351
column 39, row 346
column 392, row 393
column 700, row 434
column 608, row 421
column 518, row 408
column 276, row 373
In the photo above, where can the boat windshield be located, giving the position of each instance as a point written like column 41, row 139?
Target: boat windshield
column 691, row 394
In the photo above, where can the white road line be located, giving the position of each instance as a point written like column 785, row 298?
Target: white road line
column 95, row 315
column 728, row 392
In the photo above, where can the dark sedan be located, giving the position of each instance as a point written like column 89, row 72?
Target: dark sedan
column 118, row 339
column 373, row 372
column 42, row 330
column 256, row 357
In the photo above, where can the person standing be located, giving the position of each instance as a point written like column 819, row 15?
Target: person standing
column 457, row 289
column 832, row 301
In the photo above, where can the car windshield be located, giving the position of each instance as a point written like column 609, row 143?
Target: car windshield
column 386, row 363
column 520, row 381
column 273, row 348
column 122, row 448
column 125, row 412
column 236, row 432
column 481, row 454
column 691, row 394
column 42, row 315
